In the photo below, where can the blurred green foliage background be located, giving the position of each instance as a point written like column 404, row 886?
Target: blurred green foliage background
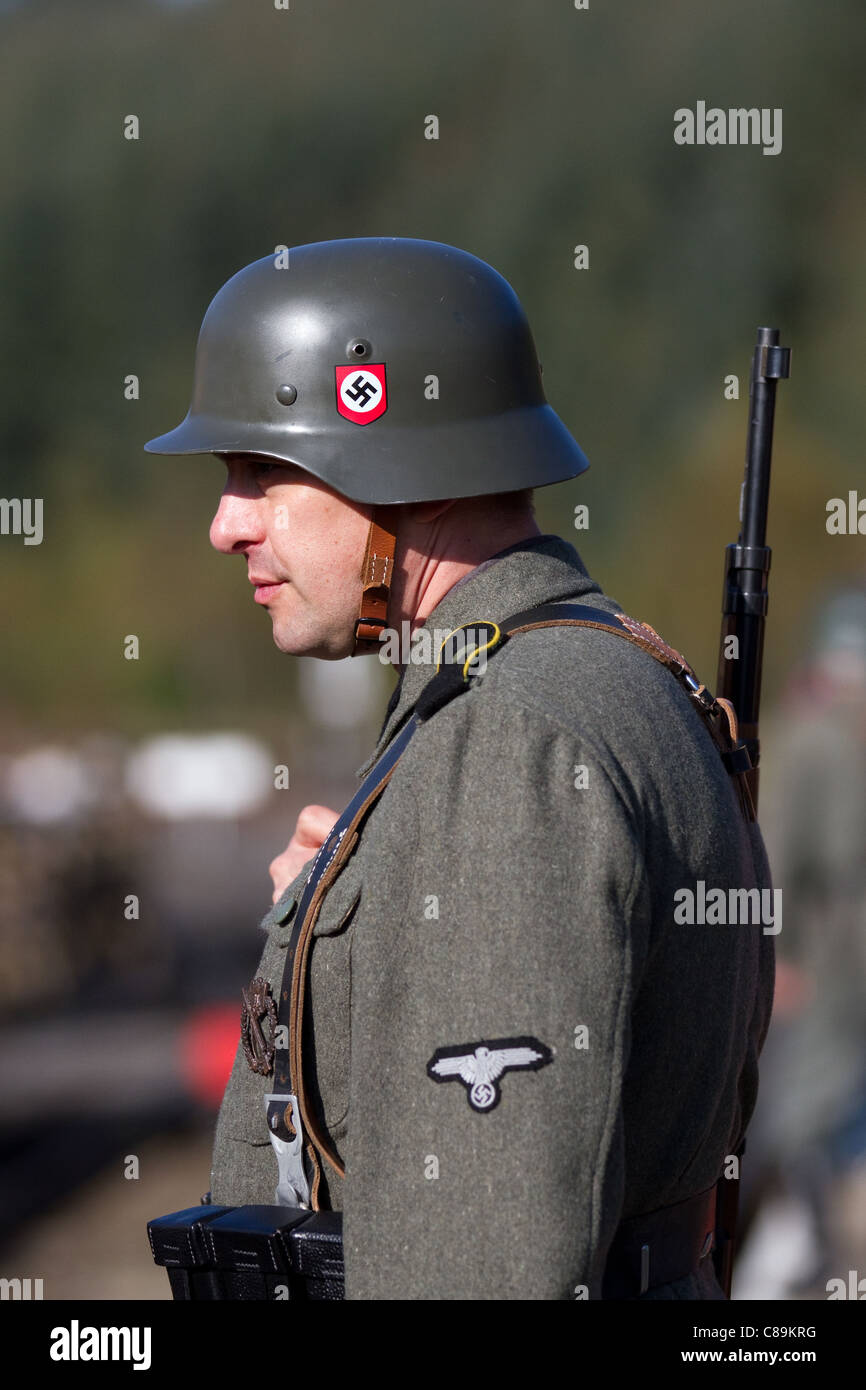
column 262, row 126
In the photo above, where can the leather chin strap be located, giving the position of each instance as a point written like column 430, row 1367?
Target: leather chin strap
column 376, row 575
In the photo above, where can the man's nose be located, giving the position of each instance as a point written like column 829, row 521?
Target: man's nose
column 237, row 523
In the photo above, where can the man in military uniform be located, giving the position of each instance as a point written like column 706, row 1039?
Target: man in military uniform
column 515, row 1072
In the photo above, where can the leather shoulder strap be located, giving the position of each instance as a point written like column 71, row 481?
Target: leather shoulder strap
column 288, row 1059
column 580, row 614
column 718, row 714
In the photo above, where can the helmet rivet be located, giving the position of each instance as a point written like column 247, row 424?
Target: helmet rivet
column 286, row 395
column 358, row 347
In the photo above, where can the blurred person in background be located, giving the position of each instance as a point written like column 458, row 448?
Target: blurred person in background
column 806, row 1166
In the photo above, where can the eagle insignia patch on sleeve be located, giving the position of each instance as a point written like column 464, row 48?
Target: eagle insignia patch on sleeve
column 480, row 1065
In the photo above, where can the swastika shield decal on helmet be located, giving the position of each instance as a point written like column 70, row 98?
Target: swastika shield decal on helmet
column 361, row 393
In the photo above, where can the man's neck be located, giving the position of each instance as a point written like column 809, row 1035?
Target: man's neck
column 429, row 576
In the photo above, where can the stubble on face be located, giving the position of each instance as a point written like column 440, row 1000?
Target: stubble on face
column 297, row 533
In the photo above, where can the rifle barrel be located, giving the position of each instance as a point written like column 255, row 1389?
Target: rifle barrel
column 747, row 561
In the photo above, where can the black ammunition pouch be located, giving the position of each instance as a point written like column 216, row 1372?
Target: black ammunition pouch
column 256, row 1252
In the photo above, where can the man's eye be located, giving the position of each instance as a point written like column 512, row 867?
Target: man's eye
column 264, row 467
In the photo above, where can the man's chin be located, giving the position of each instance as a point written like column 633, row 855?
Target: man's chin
column 294, row 643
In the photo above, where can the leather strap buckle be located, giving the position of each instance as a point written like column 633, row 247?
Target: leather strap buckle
column 372, row 629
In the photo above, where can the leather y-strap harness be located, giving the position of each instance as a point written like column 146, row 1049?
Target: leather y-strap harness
column 293, row 1124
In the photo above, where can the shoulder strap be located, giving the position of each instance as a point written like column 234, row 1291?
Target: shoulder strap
column 290, row 1119
column 463, row 647
column 718, row 714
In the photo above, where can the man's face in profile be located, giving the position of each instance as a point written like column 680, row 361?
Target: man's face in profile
column 304, row 546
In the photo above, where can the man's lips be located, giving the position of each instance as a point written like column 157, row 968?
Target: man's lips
column 265, row 586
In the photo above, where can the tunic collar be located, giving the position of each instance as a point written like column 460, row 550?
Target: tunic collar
column 540, row 569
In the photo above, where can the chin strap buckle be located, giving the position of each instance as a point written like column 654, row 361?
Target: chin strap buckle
column 368, row 630
column 376, row 575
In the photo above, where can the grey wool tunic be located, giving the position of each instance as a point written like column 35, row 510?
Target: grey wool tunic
column 515, row 885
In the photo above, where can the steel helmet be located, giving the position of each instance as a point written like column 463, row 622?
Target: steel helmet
column 393, row 369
